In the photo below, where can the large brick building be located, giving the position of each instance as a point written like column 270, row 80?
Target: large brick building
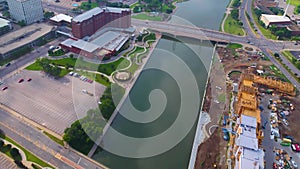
column 89, row 22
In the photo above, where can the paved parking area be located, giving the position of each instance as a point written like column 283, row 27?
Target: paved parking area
column 55, row 104
column 5, row 162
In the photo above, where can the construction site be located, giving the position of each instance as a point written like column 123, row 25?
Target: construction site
column 245, row 133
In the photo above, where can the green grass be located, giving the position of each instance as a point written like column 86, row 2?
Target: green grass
column 29, row 155
column 34, row 67
column 222, row 97
column 109, row 68
column 277, row 73
column 63, row 72
column 295, row 2
column 266, row 32
column 137, row 50
column 291, row 58
column 54, row 138
column 134, row 5
column 234, row 46
column 85, row 7
column 133, row 68
column 143, row 16
column 232, row 26
column 96, row 77
column 124, row 64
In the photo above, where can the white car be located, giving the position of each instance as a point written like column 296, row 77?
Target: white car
column 294, row 164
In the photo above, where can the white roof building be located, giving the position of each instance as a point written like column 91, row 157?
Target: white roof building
column 61, row 17
column 274, row 20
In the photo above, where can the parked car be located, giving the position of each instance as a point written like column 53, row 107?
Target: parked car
column 4, row 88
column 294, row 164
column 8, row 64
column 295, row 147
column 21, row 80
column 71, row 73
column 28, row 80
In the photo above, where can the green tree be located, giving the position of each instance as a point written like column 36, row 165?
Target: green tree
column 235, row 14
column 48, row 15
column 16, row 154
column 22, row 23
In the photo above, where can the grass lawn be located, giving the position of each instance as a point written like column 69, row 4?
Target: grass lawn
column 291, row 58
column 137, row 50
column 232, row 26
column 294, row 2
column 234, row 46
column 134, row 5
column 96, row 77
column 266, row 32
column 34, row 67
column 144, row 16
column 124, row 64
column 29, row 155
column 54, row 138
column 222, row 97
column 109, row 68
column 133, row 68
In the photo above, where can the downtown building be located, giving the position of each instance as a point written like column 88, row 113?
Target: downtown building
column 91, row 21
column 29, row 11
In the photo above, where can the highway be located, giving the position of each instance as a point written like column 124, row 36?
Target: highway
column 40, row 145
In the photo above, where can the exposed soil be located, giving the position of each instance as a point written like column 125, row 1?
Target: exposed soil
column 209, row 152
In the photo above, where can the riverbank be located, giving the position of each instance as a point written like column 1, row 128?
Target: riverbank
column 127, row 91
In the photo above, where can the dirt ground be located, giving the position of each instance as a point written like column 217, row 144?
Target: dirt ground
column 209, row 152
column 294, row 128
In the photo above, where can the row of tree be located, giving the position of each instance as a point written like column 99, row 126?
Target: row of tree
column 82, row 133
column 12, row 152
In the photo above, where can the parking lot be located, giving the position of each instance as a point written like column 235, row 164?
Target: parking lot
column 53, row 103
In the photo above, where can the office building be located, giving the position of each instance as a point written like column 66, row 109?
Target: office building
column 29, row 11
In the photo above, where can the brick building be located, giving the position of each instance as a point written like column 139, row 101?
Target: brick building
column 89, row 22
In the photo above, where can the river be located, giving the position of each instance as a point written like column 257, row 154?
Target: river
column 196, row 57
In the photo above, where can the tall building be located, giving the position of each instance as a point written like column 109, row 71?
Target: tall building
column 28, row 10
column 89, row 22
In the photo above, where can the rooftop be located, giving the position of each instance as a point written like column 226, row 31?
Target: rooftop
column 23, row 36
column 275, row 18
column 248, row 142
column 61, row 17
column 86, row 46
column 68, row 42
column 105, row 38
column 116, row 10
column 88, row 14
column 248, row 121
column 4, row 22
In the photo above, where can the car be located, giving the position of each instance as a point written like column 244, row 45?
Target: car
column 4, row 88
column 28, row 80
column 294, row 164
column 295, row 147
column 21, row 80
column 8, row 64
column 71, row 73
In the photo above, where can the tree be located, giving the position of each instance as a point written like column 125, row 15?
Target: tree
column 48, row 15
column 1, row 143
column 136, row 9
column 16, row 154
column 22, row 23
column 273, row 28
column 235, row 14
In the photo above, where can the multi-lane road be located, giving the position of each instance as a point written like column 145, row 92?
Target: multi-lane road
column 35, row 141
